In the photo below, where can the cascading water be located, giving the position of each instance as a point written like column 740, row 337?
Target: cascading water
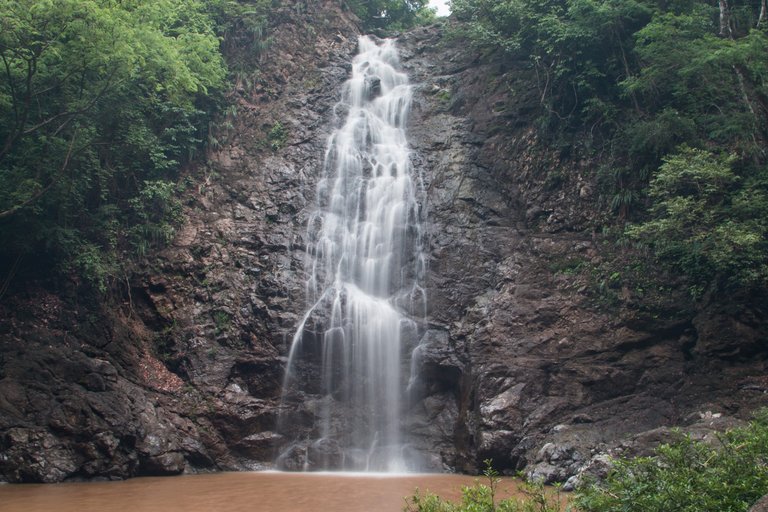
column 348, row 363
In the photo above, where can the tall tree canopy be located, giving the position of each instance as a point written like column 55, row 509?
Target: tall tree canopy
column 670, row 89
column 100, row 102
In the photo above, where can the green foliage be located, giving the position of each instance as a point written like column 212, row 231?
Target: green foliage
column 242, row 27
column 277, row 136
column 391, row 14
column 707, row 221
column 222, row 321
column 580, row 49
column 154, row 211
column 712, row 83
column 688, row 476
column 482, row 498
column 648, row 80
column 90, row 264
column 101, row 102
column 568, row 265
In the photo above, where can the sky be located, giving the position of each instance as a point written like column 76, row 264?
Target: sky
column 442, row 7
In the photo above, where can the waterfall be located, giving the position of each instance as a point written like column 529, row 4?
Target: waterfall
column 348, row 365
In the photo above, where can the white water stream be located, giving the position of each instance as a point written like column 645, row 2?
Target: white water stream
column 365, row 266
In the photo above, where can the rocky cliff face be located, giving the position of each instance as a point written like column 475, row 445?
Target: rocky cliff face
column 183, row 373
column 542, row 365
column 525, row 360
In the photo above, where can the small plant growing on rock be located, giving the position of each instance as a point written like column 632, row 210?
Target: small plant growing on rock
column 222, row 321
column 493, row 480
column 277, row 136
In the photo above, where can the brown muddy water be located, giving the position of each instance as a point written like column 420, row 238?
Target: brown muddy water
column 238, row 492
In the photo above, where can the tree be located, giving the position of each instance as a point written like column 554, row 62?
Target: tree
column 97, row 98
column 581, row 49
column 707, row 221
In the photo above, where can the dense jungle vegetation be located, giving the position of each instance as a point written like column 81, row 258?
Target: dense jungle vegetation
column 103, row 105
column 673, row 97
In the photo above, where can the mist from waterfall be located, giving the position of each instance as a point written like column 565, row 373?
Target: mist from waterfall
column 348, row 364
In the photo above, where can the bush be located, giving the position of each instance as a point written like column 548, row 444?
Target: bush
column 708, row 220
column 688, row 476
column 482, row 498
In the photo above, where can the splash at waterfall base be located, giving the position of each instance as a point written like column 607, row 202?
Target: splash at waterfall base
column 421, row 417
column 349, row 363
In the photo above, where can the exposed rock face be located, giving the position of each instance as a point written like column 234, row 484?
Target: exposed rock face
column 80, row 400
column 523, row 362
column 185, row 375
column 541, row 371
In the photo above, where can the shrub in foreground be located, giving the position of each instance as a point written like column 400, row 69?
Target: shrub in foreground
column 688, row 476
column 482, row 498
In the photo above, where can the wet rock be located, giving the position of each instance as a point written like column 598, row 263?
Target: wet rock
column 94, row 382
column 555, row 463
column 373, row 86
column 596, row 469
column 496, row 445
column 324, row 453
column 35, row 456
column 261, row 446
column 729, row 331
column 437, row 364
column 169, row 463
column 293, row 458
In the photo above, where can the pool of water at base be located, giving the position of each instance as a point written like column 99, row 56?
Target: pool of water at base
column 239, row 492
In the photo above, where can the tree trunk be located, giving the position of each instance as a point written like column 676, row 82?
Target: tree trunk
column 725, row 18
column 763, row 13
